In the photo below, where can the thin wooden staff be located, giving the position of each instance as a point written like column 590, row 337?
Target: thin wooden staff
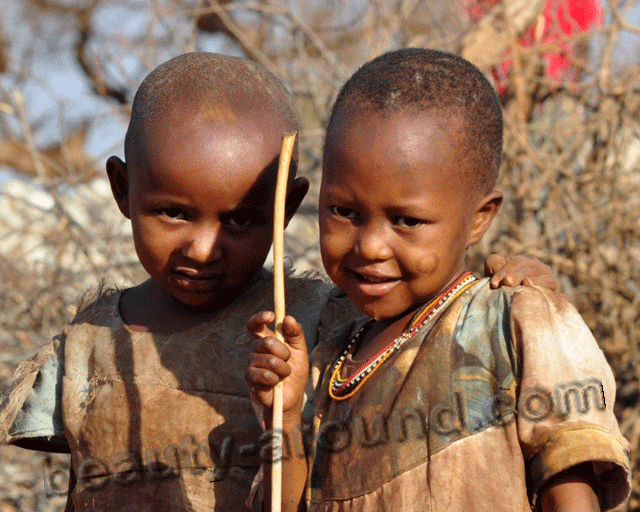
column 288, row 141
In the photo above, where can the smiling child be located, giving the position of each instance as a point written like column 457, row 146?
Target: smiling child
column 452, row 396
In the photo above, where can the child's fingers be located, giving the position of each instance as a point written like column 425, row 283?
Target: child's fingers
column 499, row 282
column 294, row 333
column 544, row 281
column 271, row 346
column 261, row 383
column 521, row 269
column 524, row 269
column 258, row 324
column 524, row 266
column 493, row 264
column 499, row 269
column 272, row 361
column 266, row 370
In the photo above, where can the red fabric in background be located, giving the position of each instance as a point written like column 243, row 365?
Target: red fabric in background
column 561, row 17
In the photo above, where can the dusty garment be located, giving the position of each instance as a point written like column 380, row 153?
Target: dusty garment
column 153, row 422
column 503, row 390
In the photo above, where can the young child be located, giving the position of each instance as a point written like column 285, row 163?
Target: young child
column 145, row 387
column 452, row 396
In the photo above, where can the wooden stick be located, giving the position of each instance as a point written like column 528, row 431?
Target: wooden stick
column 288, row 141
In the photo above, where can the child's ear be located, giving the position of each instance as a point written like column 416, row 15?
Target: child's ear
column 119, row 179
column 297, row 191
column 486, row 210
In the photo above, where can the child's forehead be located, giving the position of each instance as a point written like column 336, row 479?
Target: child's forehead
column 230, row 148
column 415, row 149
column 219, row 125
column 409, row 134
column 226, row 184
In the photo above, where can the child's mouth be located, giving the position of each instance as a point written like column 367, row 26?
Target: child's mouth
column 197, row 281
column 374, row 284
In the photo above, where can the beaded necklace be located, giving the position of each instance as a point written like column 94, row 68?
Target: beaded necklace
column 341, row 389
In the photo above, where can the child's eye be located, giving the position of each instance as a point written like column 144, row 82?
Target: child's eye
column 343, row 211
column 173, row 213
column 407, row 222
column 239, row 219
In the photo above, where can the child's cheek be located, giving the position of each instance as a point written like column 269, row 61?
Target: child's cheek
column 427, row 264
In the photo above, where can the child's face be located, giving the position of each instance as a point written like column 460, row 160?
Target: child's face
column 396, row 209
column 200, row 199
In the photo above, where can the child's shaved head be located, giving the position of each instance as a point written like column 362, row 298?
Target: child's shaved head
column 198, row 180
column 423, row 80
column 213, row 86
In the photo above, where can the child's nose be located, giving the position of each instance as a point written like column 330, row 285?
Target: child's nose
column 203, row 245
column 372, row 242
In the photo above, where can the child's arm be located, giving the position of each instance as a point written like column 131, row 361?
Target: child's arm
column 30, row 408
column 269, row 362
column 566, row 425
column 570, row 491
column 521, row 269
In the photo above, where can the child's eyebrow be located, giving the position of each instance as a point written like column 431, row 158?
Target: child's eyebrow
column 404, row 204
column 256, row 207
column 334, row 192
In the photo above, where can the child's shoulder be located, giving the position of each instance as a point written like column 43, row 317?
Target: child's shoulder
column 530, row 327
column 97, row 302
column 522, row 321
column 528, row 301
column 308, row 285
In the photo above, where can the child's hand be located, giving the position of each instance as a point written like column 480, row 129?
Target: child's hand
column 270, row 361
column 521, row 269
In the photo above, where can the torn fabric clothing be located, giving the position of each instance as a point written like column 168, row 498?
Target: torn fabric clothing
column 154, row 421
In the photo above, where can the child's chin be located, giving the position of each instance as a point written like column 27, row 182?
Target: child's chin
column 376, row 311
column 197, row 300
column 386, row 312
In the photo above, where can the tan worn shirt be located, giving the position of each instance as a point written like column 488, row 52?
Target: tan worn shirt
column 153, row 422
column 491, row 398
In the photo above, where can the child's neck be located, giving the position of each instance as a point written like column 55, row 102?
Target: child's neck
column 383, row 332
column 148, row 307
